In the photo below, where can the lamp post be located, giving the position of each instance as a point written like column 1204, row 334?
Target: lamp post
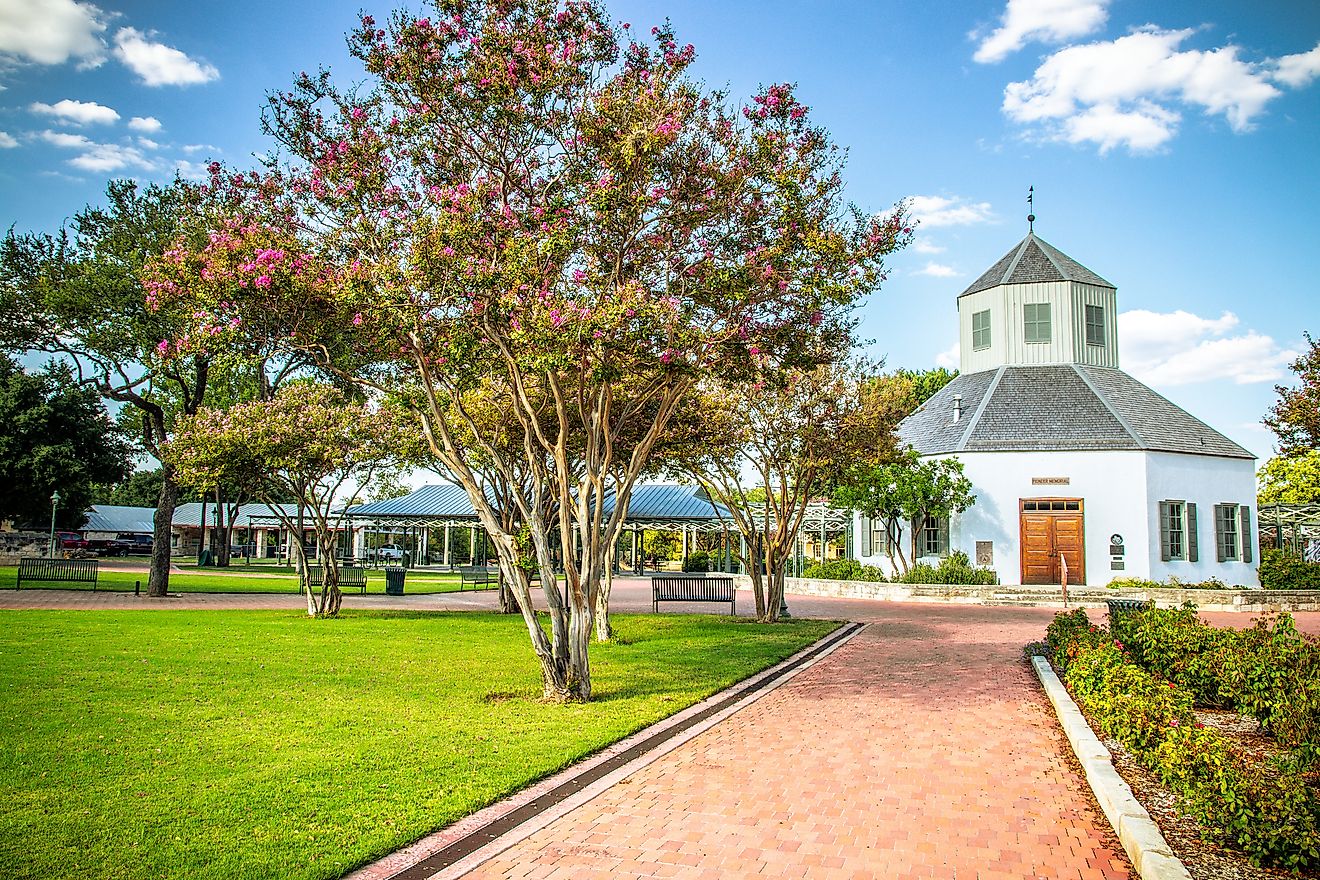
column 54, row 505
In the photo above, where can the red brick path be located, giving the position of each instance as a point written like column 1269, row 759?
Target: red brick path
column 922, row 748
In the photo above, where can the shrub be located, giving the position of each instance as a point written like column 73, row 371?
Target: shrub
column 956, row 568
column 697, row 560
column 1068, row 631
column 843, row 570
column 1284, row 570
column 1269, row 812
column 1173, row 583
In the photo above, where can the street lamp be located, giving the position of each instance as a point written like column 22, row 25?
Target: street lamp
column 54, row 505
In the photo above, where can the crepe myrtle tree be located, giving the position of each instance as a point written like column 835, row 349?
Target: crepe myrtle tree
column 772, row 447
column 310, row 442
column 524, row 203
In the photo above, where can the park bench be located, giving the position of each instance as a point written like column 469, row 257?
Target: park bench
column 692, row 588
column 348, row 577
column 480, row 577
column 79, row 571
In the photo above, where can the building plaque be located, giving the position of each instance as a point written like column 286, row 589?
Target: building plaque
column 1050, row 481
column 985, row 552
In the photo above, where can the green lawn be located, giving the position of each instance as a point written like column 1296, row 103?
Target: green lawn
column 226, row 744
column 280, row 580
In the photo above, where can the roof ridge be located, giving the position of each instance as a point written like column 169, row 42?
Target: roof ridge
column 980, row 408
column 1017, row 258
column 1122, row 420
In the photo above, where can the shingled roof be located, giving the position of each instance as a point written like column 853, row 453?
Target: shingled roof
column 1059, row 407
column 1034, row 260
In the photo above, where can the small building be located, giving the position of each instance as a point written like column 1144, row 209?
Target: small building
column 1076, row 466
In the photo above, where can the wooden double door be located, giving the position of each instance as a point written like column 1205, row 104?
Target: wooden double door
column 1052, row 535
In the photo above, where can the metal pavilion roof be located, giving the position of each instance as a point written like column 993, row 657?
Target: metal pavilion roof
column 653, row 505
column 249, row 515
column 118, row 518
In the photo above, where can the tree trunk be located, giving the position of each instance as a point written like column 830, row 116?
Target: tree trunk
column 579, row 641
column 223, row 529
column 158, row 578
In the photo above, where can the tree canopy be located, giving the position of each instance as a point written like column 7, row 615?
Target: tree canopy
column 1295, row 418
column 57, row 437
column 1292, row 479
column 531, row 225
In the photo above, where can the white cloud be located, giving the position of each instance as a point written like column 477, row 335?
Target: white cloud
column 1298, row 70
column 192, row 170
column 197, row 148
column 7, row 140
column 941, row 211
column 949, row 358
column 148, row 144
column 93, row 156
column 937, row 270
column 922, row 246
column 52, row 32
column 1180, row 348
column 144, row 124
column 158, row 64
column 77, row 112
column 1051, row 21
column 1125, row 92
column 64, row 139
column 111, row 157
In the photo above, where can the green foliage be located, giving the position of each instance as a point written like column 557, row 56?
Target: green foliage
column 697, row 560
column 1173, row 583
column 56, row 436
column 311, row 747
column 924, row 384
column 956, row 568
column 139, row 489
column 843, row 570
column 1285, row 570
column 1290, row 479
column 1270, row 812
column 1068, row 630
column 1295, row 418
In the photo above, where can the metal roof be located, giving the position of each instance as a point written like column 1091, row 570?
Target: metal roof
column 435, row 504
column 189, row 514
column 118, row 518
column 1058, row 407
column 1034, row 260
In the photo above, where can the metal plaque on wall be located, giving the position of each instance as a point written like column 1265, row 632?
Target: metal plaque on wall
column 985, row 552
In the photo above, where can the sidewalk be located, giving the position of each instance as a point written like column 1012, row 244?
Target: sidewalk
column 923, row 748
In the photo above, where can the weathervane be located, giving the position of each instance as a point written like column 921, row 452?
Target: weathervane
column 1031, row 217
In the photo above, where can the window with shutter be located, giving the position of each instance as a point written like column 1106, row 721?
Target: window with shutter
column 1165, row 553
column 1226, row 532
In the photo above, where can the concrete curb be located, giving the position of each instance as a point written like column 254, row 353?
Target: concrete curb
column 1140, row 836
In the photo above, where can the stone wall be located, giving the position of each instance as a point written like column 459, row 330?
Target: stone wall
column 14, row 545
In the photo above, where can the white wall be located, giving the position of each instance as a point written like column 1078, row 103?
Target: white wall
column 1120, row 490
column 1206, row 481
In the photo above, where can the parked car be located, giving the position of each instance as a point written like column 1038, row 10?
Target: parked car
column 70, row 541
column 138, row 545
column 390, row 552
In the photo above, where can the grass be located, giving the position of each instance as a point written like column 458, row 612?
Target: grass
column 280, row 580
column 263, row 744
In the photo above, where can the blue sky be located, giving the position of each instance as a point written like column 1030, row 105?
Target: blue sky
column 1174, row 147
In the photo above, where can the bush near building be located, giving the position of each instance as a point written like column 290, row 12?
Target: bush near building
column 1140, row 681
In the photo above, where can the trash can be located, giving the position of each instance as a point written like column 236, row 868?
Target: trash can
column 205, row 559
column 1127, row 606
column 394, row 576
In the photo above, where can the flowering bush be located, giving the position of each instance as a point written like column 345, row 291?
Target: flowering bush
column 1173, row 583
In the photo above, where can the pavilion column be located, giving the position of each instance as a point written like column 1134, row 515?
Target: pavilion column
column 360, row 542
column 424, row 545
column 683, row 556
column 636, row 554
column 446, row 550
column 472, row 545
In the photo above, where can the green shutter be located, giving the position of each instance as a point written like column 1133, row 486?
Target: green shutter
column 1221, row 551
column 1190, row 519
column 1248, row 537
column 864, row 548
column 1166, row 526
column 944, row 536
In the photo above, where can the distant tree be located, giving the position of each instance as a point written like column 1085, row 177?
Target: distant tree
column 77, row 294
column 904, row 490
column 1291, row 479
column 55, row 435
column 308, row 442
column 660, row 546
column 772, row 448
column 922, row 385
column 386, row 485
column 1295, row 418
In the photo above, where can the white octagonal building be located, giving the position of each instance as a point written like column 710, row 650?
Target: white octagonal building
column 1075, row 464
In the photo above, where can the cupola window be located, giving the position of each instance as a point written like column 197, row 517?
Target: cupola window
column 981, row 330
column 1036, row 322
column 1095, row 325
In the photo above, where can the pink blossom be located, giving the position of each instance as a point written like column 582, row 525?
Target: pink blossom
column 262, row 281
column 357, row 320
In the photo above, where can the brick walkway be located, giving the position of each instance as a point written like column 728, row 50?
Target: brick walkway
column 922, row 748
